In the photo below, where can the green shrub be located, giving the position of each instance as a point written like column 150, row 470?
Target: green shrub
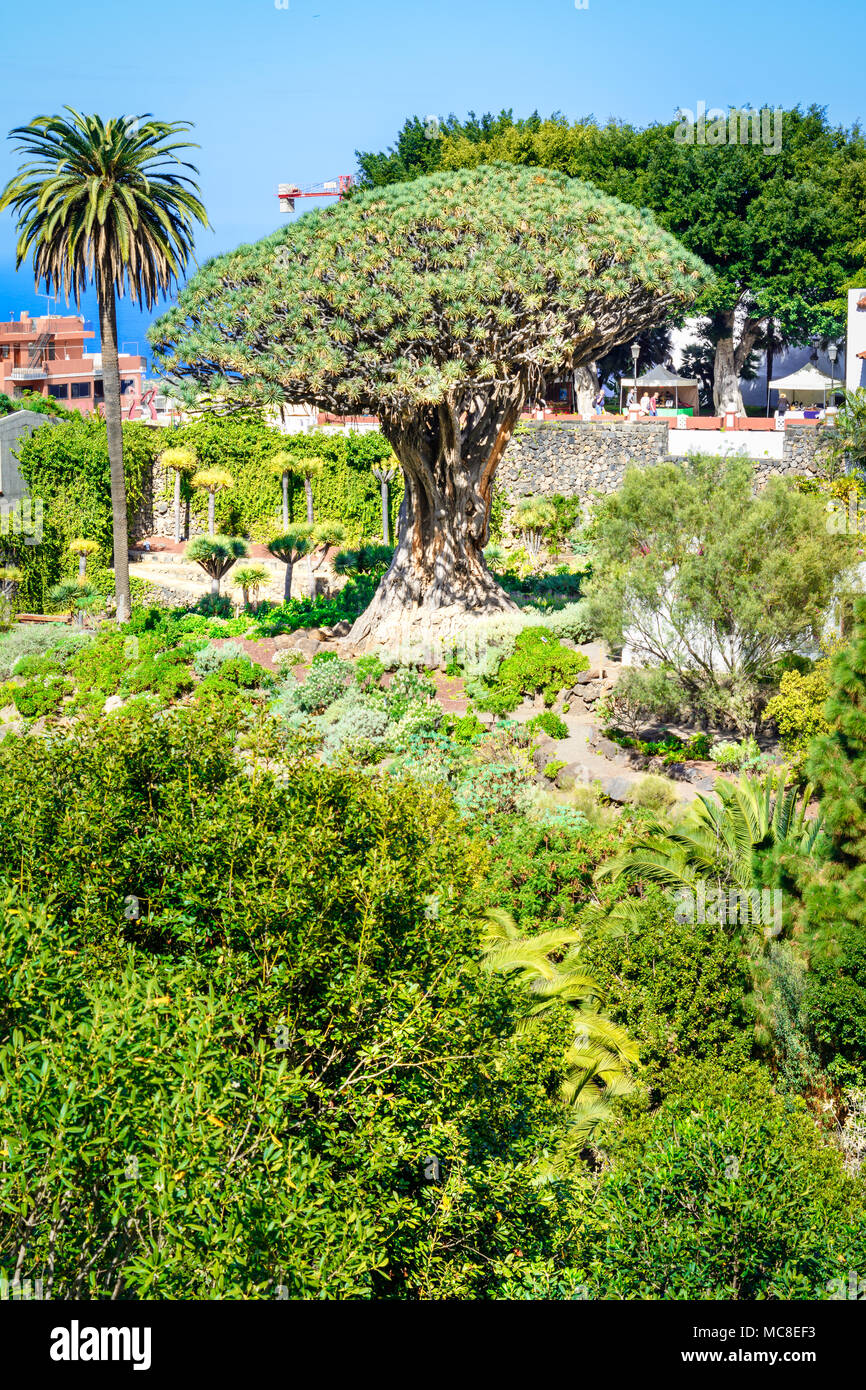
column 552, row 768
column 798, row 711
column 40, row 696
column 209, row 659
column 654, row 794
column 407, row 687
column 467, row 728
column 325, row 682
column 539, row 663
column 25, row 641
column 745, row 756
column 550, row 724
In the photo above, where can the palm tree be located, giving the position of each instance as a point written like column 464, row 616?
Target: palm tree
column 181, row 461
column 598, row 1062
column 100, row 201
column 289, row 548
column 718, row 840
column 216, row 555
column 212, row 481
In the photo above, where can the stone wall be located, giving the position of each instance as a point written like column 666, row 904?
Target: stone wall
column 577, row 458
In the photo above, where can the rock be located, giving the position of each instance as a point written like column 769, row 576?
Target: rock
column 610, row 750
column 342, row 628
column 284, row 641
column 679, row 772
column 586, row 676
column 616, row 788
column 113, row 702
column 569, row 776
column 544, row 752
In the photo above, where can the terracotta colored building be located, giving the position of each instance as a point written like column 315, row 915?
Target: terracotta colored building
column 47, row 355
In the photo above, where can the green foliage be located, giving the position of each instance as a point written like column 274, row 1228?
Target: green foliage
column 337, row 308
column 538, row 663
column 550, row 724
column 744, row 756
column 161, row 1085
column 712, row 582
column 67, row 467
column 655, row 794
column 551, row 769
column 467, row 728
column 32, row 400
column 641, row 696
column 798, row 711
column 30, row 641
column 39, row 696
column 210, row 658
column 325, row 682
column 726, row 1192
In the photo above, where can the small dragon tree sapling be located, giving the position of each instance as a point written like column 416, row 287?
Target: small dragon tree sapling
column 282, row 464
column 212, row 481
column 216, row 555
column 11, row 578
column 439, row 306
column 250, row 579
column 289, row 548
column 80, row 597
column 324, row 536
column 533, row 519
column 82, row 548
column 182, row 463
column 308, row 468
column 385, row 475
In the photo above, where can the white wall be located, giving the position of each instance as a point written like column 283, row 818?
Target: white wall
column 855, row 367
column 753, row 444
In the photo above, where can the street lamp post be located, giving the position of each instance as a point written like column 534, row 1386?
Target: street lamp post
column 635, row 354
column 832, row 353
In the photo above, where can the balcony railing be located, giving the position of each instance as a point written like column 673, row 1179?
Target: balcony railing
column 28, row 374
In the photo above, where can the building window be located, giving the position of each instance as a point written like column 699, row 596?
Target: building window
column 127, row 387
column 80, row 389
column 60, row 392
column 98, row 390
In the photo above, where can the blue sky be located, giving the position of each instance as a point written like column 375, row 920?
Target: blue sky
column 290, row 94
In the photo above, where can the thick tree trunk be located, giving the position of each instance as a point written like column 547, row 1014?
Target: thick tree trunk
column 730, row 359
column 177, row 527
column 585, row 388
column 726, row 379
column 114, row 432
column 438, row 584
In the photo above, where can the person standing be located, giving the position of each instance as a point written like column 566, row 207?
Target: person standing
column 782, row 408
column 599, row 401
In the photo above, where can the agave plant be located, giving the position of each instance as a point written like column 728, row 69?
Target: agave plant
column 599, row 1060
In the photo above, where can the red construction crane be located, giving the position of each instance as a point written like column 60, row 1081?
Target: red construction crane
column 332, row 188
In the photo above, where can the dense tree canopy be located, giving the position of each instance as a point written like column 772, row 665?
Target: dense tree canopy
column 439, row 305
column 783, row 231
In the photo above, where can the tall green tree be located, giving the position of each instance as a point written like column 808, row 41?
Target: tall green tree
column 782, row 230
column 439, row 306
column 104, row 201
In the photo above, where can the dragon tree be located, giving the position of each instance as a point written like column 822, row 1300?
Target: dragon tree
column 439, row 306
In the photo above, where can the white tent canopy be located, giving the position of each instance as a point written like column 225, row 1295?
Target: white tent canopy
column 808, row 381
column 660, row 379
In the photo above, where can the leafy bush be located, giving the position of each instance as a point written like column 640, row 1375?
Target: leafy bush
column 654, row 794
column 550, row 724
column 641, row 696
column 726, row 1192
column 24, row 641
column 467, row 728
column 209, row 659
column 539, row 663
column 355, row 725
column 798, row 711
column 40, row 696
column 407, row 687
column 745, row 756
column 325, row 682
column 110, row 1022
column 551, row 768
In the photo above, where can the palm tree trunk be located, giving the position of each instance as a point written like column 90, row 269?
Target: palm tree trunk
column 177, row 533
column 287, row 589
column 211, row 513
column 285, row 501
column 308, row 488
column 114, row 431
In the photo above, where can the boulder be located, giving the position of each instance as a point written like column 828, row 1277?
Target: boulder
column 616, row 788
column 586, row 676
column 543, row 753
column 610, row 750
column 571, row 775
column 113, row 702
